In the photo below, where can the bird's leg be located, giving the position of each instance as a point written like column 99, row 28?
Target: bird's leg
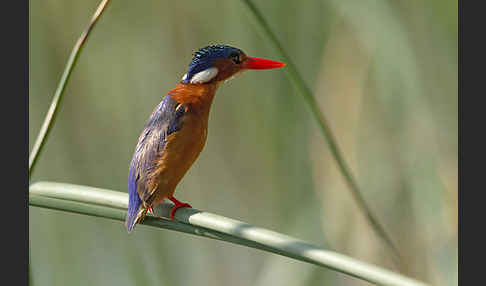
column 177, row 205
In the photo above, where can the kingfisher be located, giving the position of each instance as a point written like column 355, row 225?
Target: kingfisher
column 176, row 131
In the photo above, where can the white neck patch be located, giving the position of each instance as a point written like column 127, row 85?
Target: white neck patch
column 205, row 75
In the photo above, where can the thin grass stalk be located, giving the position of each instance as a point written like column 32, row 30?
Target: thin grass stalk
column 88, row 201
column 58, row 96
column 304, row 90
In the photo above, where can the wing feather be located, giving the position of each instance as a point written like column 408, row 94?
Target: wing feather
column 164, row 120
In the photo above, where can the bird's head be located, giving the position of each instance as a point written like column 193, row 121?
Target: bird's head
column 219, row 62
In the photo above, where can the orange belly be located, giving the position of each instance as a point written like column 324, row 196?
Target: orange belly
column 180, row 151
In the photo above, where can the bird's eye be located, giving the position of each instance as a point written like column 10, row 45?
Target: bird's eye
column 235, row 58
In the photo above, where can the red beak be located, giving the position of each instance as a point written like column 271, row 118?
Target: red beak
column 261, row 64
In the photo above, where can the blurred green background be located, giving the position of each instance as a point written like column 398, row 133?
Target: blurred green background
column 383, row 72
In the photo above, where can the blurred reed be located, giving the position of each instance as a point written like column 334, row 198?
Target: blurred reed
column 57, row 99
column 296, row 78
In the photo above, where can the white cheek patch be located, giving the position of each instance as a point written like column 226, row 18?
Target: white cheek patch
column 205, row 75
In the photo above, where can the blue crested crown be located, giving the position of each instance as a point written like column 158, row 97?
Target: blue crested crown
column 203, row 59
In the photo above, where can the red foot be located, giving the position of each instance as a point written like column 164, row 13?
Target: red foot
column 177, row 205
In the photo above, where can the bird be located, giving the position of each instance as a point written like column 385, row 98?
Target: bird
column 175, row 133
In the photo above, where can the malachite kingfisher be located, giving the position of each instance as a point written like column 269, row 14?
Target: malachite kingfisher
column 176, row 131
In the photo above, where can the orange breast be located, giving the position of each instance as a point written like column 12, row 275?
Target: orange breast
column 183, row 147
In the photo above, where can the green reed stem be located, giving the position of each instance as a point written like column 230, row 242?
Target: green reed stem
column 56, row 100
column 113, row 205
column 304, row 90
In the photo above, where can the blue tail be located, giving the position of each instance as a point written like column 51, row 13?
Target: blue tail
column 134, row 201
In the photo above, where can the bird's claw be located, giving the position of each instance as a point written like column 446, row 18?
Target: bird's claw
column 177, row 205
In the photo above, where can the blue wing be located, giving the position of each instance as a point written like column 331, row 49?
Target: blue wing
column 164, row 120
